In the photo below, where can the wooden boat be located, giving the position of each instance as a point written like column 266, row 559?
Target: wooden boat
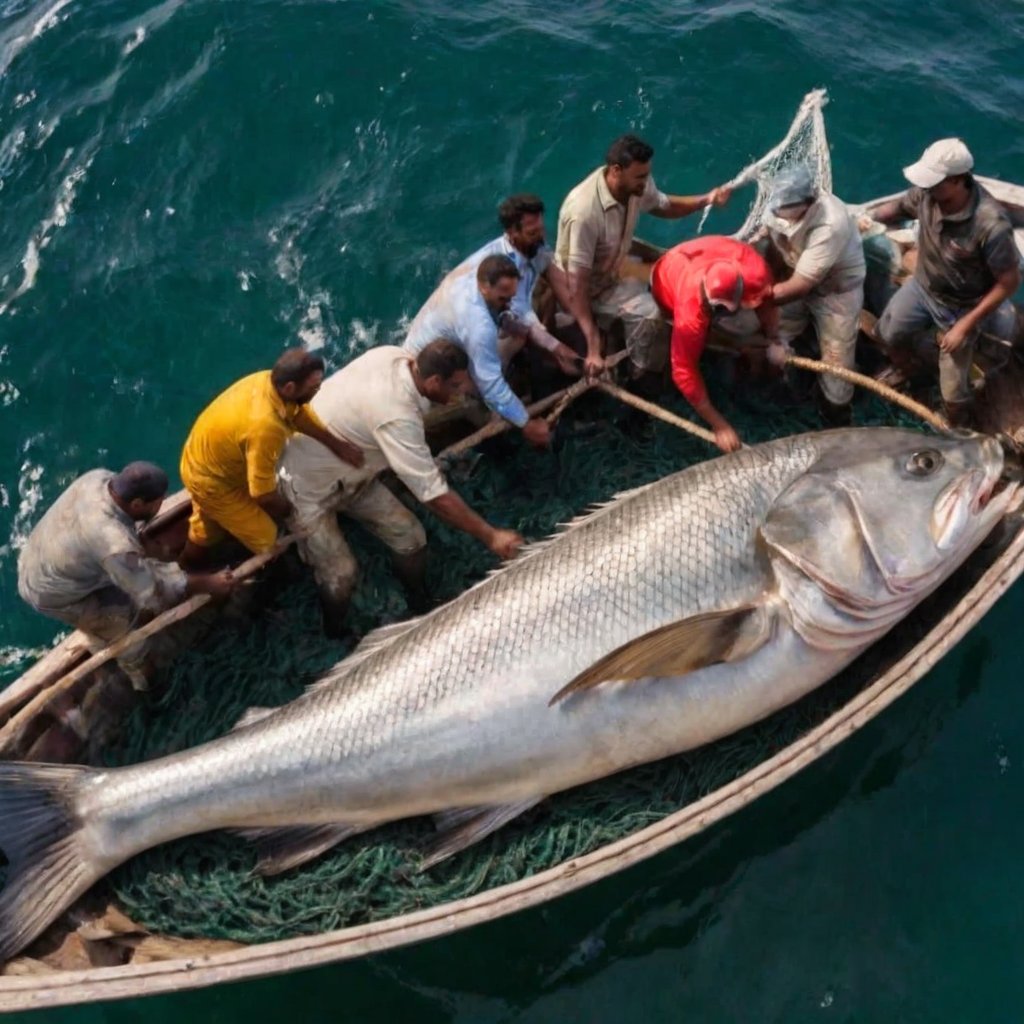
column 123, row 961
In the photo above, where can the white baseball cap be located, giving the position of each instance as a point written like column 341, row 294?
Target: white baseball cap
column 939, row 161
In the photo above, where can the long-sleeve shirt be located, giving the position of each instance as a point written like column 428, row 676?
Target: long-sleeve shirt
column 235, row 443
column 84, row 543
column 373, row 402
column 675, row 284
column 457, row 311
column 531, row 269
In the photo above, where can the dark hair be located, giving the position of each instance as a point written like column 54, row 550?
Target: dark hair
column 441, row 358
column 143, row 480
column 628, row 149
column 512, row 210
column 493, row 268
column 293, row 366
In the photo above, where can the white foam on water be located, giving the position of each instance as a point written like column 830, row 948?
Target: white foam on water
column 245, row 279
column 23, row 99
column 136, row 40
column 9, row 392
column 13, row 656
column 28, row 29
column 58, row 217
column 30, row 495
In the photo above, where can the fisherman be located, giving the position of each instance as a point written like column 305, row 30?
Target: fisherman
column 378, row 400
column 84, row 563
column 967, row 268
column 466, row 309
column 595, row 235
column 817, row 237
column 229, row 463
column 694, row 284
column 522, row 241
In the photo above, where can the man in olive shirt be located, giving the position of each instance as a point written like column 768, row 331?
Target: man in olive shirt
column 967, row 267
column 595, row 234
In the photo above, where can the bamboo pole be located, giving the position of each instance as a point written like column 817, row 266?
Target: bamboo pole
column 496, row 427
column 12, row 733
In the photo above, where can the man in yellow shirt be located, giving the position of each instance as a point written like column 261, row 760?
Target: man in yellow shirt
column 229, row 463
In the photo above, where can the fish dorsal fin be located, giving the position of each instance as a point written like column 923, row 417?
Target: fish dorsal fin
column 384, row 635
column 369, row 645
column 678, row 648
column 588, row 515
column 251, row 716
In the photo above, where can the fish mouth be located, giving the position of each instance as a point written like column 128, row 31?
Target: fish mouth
column 968, row 497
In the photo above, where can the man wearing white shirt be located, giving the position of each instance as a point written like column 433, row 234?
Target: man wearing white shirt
column 377, row 402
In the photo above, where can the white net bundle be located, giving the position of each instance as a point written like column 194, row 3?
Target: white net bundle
column 805, row 143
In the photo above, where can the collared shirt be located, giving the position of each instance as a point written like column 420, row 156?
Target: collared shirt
column 675, row 284
column 531, row 269
column 85, row 542
column 825, row 246
column 457, row 311
column 960, row 256
column 238, row 438
column 374, row 403
column 595, row 230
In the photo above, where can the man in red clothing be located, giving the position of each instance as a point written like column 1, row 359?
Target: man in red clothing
column 692, row 283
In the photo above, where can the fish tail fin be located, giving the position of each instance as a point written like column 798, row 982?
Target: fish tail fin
column 40, row 837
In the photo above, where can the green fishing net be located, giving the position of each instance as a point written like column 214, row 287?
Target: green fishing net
column 204, row 886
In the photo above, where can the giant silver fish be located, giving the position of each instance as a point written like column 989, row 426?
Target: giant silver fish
column 674, row 615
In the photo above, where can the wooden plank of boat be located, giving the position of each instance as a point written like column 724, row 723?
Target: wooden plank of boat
column 188, row 972
column 997, row 568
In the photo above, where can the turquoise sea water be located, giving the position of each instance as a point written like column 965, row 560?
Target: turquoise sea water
column 188, row 187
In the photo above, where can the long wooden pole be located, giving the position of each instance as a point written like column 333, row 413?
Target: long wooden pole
column 12, row 733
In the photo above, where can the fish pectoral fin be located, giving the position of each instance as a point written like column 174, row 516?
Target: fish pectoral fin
column 462, row 827
column 678, row 648
column 283, row 848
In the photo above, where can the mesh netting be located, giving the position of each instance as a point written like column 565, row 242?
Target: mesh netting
column 203, row 886
column 805, row 143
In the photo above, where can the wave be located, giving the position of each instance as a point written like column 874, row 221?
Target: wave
column 27, row 29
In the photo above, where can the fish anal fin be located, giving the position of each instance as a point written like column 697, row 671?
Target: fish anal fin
column 283, row 848
column 462, row 827
column 678, row 648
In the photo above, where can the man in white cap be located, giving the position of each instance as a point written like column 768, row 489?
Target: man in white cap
column 967, row 267
column 815, row 235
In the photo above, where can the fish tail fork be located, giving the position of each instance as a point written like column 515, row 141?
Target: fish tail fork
column 40, row 836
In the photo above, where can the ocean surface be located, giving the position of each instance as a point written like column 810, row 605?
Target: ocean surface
column 188, row 187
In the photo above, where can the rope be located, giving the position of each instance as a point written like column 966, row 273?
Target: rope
column 655, row 410
column 933, row 419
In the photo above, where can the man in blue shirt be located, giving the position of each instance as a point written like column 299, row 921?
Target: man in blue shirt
column 522, row 241
column 466, row 309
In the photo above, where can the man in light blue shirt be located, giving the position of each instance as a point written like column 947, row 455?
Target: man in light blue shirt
column 465, row 309
column 522, row 241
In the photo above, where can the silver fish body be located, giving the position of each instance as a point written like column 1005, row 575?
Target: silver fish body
column 817, row 544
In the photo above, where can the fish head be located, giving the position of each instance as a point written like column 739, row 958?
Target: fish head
column 883, row 515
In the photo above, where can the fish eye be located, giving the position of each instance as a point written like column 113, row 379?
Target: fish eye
column 924, row 462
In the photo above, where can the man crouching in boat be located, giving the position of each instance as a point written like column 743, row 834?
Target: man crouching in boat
column 84, row 563
column 595, row 235
column 466, row 309
column 229, row 462
column 967, row 268
column 693, row 284
column 817, row 238
column 378, row 400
